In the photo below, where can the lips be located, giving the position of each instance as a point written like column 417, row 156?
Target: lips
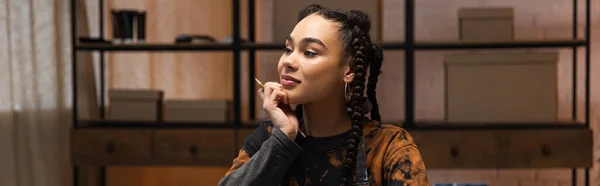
column 290, row 78
column 288, row 81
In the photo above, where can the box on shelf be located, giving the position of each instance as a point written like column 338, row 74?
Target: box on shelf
column 501, row 87
column 135, row 104
column 182, row 110
column 486, row 24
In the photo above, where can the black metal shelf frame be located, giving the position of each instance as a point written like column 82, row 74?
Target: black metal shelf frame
column 449, row 45
column 409, row 46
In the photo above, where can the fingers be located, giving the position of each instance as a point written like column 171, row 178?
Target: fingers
column 279, row 96
column 272, row 94
column 273, row 84
column 283, row 97
column 274, row 97
column 269, row 87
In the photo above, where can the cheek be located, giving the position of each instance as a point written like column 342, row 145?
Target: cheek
column 319, row 78
column 321, row 81
column 323, row 73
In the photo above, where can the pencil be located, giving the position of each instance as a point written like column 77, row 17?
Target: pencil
column 259, row 83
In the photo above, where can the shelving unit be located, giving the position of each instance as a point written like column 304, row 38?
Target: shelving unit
column 421, row 130
column 449, row 45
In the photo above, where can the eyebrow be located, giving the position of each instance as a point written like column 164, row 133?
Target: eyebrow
column 307, row 40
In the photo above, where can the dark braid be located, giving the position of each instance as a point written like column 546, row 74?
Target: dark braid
column 357, row 87
column 374, row 71
column 354, row 37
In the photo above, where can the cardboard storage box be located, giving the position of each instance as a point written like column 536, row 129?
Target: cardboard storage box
column 180, row 110
column 501, row 87
column 135, row 105
column 486, row 24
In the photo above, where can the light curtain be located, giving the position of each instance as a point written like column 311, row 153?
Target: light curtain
column 35, row 93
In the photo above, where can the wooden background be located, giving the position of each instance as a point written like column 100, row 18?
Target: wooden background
column 189, row 75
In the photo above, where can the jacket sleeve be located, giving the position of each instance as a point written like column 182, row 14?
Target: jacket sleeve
column 263, row 160
column 403, row 163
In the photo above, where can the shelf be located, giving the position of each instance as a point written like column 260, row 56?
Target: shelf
column 175, row 46
column 115, row 124
column 450, row 45
column 422, row 45
column 437, row 45
column 154, row 47
column 263, row 46
column 277, row 46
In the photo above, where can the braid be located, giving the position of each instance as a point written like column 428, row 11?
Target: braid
column 358, row 66
column 354, row 37
column 374, row 72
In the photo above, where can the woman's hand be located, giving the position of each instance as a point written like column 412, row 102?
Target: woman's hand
column 275, row 104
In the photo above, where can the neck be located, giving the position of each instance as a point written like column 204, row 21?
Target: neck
column 326, row 118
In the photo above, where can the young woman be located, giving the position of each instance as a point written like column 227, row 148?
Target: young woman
column 328, row 140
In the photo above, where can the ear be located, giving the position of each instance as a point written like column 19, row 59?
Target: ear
column 348, row 74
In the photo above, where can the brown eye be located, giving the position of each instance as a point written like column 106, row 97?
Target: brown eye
column 309, row 54
column 287, row 50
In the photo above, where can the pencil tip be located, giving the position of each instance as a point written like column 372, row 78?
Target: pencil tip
column 258, row 81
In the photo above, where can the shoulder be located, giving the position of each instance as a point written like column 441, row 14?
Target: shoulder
column 394, row 134
column 254, row 141
column 392, row 138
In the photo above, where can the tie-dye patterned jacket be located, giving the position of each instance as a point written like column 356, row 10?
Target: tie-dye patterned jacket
column 269, row 157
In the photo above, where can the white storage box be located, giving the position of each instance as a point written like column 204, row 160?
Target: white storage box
column 501, row 87
column 180, row 110
column 135, row 105
column 486, row 24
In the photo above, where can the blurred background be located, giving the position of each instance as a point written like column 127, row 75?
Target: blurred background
column 155, row 82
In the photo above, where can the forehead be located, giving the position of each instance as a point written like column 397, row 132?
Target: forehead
column 316, row 26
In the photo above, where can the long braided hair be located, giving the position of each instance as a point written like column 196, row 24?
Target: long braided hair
column 356, row 42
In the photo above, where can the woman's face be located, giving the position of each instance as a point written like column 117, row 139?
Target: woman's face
column 311, row 67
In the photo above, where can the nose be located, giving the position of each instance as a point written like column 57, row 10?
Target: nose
column 290, row 62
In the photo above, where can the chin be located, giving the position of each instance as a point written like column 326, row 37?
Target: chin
column 294, row 96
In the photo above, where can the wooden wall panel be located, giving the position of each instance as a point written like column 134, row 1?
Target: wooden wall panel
column 180, row 74
column 193, row 75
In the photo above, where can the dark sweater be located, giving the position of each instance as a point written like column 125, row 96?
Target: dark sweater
column 269, row 157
